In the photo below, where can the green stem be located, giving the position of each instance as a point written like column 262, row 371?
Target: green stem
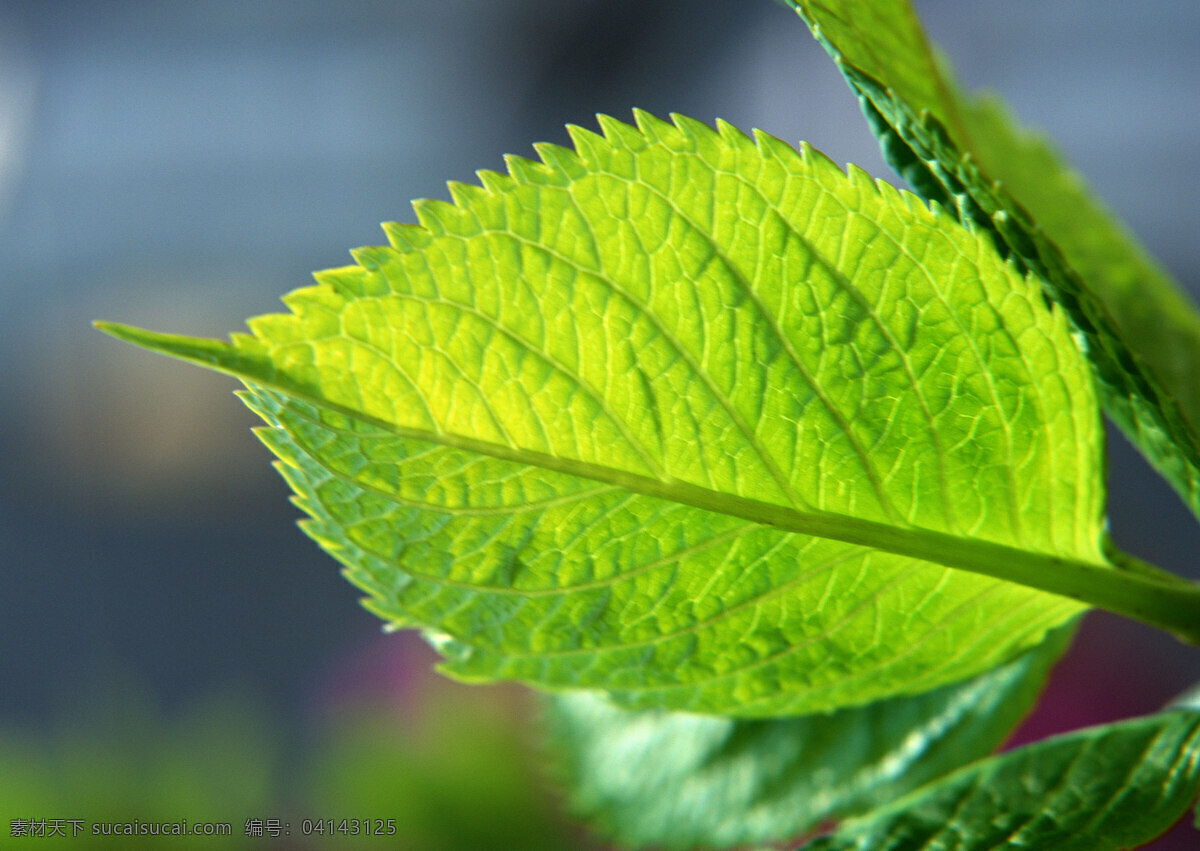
column 1133, row 589
column 1124, row 561
column 1129, row 587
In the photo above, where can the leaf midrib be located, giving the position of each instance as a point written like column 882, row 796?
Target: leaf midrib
column 938, row 547
column 1173, row 605
column 807, row 575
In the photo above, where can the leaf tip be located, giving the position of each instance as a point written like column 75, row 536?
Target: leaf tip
column 118, row 330
column 233, row 358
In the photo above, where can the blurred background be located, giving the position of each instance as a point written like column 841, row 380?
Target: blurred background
column 171, row 645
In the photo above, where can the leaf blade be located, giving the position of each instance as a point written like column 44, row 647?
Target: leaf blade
column 801, row 392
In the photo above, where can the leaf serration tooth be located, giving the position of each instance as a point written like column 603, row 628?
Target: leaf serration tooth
column 404, row 236
column 524, row 170
column 493, row 181
column 587, row 143
column 691, row 130
column 466, row 194
column 437, row 217
column 561, row 159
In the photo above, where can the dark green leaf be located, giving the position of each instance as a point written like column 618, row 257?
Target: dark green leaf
column 679, row 780
column 1106, row 788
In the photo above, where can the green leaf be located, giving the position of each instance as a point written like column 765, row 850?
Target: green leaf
column 115, row 759
column 452, row 773
column 682, row 781
column 695, row 419
column 1109, row 787
column 1140, row 331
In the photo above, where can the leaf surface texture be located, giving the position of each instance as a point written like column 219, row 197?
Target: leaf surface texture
column 688, row 416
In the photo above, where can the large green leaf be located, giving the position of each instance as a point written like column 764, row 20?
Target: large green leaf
column 696, row 419
column 1106, row 788
column 1141, row 332
column 675, row 780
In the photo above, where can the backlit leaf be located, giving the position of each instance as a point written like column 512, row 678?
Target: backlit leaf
column 692, row 418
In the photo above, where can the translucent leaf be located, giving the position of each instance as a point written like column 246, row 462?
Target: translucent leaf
column 1111, row 787
column 695, row 419
column 676, row 780
column 1140, row 331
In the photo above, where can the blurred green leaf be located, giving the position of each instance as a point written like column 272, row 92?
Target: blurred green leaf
column 681, row 781
column 119, row 761
column 461, row 779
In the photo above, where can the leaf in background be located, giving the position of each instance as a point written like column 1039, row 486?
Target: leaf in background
column 1189, row 700
column 692, row 418
column 1142, row 333
column 1110, row 787
column 453, row 773
column 683, row 781
column 115, row 759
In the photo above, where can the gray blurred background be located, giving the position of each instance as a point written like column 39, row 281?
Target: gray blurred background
column 180, row 166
